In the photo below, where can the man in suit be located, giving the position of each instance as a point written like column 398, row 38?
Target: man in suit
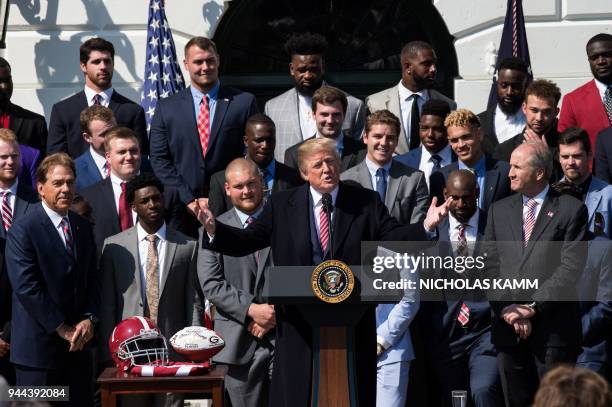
column 91, row 166
column 260, row 142
column 51, row 263
column 534, row 329
column 329, row 108
column 198, row 131
column 586, row 106
column 457, row 330
column 506, row 119
column 16, row 200
column 434, row 151
column 234, row 285
column 465, row 138
column 30, row 127
column 149, row 270
column 404, row 192
column 574, row 156
column 97, row 64
column 603, row 155
column 292, row 111
column 418, row 60
column 288, row 224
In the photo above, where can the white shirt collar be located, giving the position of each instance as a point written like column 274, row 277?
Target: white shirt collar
column 539, row 198
column 445, row 155
column 339, row 139
column 316, row 196
column 373, row 167
column 106, row 95
column 98, row 159
column 12, row 189
column 518, row 117
column 115, row 179
column 245, row 216
column 142, row 234
column 405, row 93
column 601, row 87
column 55, row 217
column 472, row 222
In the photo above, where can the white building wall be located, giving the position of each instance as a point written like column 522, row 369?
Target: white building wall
column 44, row 36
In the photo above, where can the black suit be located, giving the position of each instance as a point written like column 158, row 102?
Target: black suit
column 496, row 185
column 353, row 153
column 603, row 155
column 285, row 225
column 284, row 178
column 65, row 128
column 487, row 124
column 556, row 325
column 30, row 127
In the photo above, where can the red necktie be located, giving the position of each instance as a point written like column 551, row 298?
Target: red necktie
column 530, row 220
column 464, row 315
column 323, row 229
column 7, row 213
column 204, row 124
column 125, row 215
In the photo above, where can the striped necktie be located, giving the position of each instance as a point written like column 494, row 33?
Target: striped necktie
column 529, row 221
column 7, row 213
column 68, row 236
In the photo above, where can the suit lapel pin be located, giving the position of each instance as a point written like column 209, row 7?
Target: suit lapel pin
column 550, row 214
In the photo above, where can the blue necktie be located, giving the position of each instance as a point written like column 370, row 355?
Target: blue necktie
column 381, row 183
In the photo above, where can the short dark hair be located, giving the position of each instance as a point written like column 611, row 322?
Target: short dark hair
column 139, row 182
column 202, row 43
column 53, row 160
column 95, row 44
column 305, row 44
column 543, row 89
column 4, row 63
column 513, row 63
column 328, row 95
column 435, row 107
column 260, row 118
column 383, row 117
column 411, row 49
column 574, row 134
column 601, row 37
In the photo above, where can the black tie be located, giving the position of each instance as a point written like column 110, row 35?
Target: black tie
column 436, row 160
column 415, row 118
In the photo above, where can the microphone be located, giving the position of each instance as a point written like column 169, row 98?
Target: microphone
column 328, row 207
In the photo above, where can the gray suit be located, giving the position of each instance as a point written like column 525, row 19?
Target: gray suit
column 389, row 99
column 284, row 110
column 407, row 196
column 233, row 284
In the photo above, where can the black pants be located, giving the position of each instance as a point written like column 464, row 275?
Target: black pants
column 521, row 368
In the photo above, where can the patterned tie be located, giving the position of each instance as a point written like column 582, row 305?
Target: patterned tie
column 106, row 170
column 323, row 229
column 436, row 160
column 462, row 245
column 529, row 221
column 67, row 235
column 152, row 272
column 464, row 315
column 97, row 99
column 608, row 102
column 204, row 124
column 381, row 183
column 415, row 119
column 125, row 214
column 7, row 213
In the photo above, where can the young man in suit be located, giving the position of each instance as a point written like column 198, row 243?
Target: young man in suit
column 149, row 270
column 457, row 330
column 465, row 138
column 198, row 131
column 434, row 152
column 534, row 329
column 97, row 63
column 30, row 127
column 235, row 286
column 574, row 156
column 406, row 100
column 590, row 105
column 91, row 166
column 260, row 143
column 404, row 192
column 51, row 263
column 292, row 111
column 329, row 107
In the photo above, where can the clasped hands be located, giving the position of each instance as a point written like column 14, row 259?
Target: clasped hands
column 263, row 319
column 77, row 335
column 518, row 315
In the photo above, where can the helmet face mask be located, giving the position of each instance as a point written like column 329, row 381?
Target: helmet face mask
column 136, row 341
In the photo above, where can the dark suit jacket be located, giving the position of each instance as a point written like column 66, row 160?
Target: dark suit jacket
column 65, row 129
column 413, row 157
column 353, row 153
column 50, row 287
column 284, row 178
column 30, row 127
column 359, row 215
column 497, row 183
column 561, row 219
column 30, row 158
column 176, row 153
column 603, row 156
column 87, row 172
column 487, row 123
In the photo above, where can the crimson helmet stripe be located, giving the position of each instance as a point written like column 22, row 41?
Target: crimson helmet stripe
column 144, row 322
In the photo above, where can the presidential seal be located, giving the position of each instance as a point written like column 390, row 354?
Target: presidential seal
column 332, row 281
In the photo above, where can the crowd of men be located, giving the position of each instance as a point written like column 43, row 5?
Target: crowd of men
column 102, row 221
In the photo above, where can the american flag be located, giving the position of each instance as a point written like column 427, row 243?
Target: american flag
column 163, row 75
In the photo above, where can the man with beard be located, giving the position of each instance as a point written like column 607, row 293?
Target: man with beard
column 292, row 111
column 590, row 105
column 406, row 100
column 506, row 119
column 29, row 127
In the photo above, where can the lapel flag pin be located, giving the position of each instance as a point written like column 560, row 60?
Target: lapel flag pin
column 550, row 214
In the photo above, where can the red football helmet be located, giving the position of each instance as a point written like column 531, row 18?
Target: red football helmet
column 136, row 341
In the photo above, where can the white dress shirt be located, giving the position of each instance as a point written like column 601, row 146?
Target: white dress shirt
column 244, row 217
column 116, row 183
column 539, row 199
column 471, row 231
column 105, row 95
column 426, row 165
column 373, row 167
column 56, row 219
column 318, row 207
column 143, row 251
column 601, row 87
column 508, row 126
column 11, row 197
column 308, row 125
column 99, row 160
column 406, row 100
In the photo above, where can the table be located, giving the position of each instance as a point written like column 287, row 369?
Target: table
column 113, row 383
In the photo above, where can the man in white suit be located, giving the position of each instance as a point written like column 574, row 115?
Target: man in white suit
column 406, row 99
column 292, row 110
column 149, row 270
column 404, row 192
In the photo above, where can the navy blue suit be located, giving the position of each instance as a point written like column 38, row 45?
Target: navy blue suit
column 413, row 157
column 87, row 172
column 176, row 153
